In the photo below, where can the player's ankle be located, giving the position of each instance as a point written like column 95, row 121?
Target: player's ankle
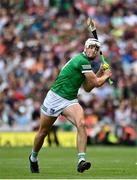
column 81, row 157
column 33, row 156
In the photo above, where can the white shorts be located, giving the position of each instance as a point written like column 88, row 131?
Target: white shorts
column 54, row 104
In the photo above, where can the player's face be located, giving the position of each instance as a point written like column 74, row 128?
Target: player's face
column 92, row 51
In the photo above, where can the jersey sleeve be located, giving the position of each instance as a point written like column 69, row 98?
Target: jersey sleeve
column 84, row 65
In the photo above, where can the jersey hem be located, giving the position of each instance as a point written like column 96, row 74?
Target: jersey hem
column 63, row 96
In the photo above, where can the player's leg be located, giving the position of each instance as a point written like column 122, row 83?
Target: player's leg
column 55, row 135
column 75, row 114
column 45, row 125
column 49, row 138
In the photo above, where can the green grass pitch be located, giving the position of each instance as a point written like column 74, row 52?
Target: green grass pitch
column 60, row 163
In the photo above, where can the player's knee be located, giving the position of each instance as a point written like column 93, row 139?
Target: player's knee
column 81, row 124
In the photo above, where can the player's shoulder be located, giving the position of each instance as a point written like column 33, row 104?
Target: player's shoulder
column 80, row 57
column 83, row 58
column 77, row 56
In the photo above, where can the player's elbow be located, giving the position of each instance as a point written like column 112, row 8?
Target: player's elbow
column 88, row 86
column 88, row 89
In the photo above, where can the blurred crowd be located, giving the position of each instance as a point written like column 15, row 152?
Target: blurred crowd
column 37, row 37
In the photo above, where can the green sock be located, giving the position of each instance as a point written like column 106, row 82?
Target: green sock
column 81, row 157
column 33, row 156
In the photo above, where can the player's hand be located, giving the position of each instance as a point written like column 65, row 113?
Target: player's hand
column 108, row 73
column 106, row 66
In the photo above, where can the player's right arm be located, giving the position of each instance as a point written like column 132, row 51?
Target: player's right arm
column 91, row 80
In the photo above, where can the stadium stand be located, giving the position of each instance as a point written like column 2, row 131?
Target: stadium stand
column 38, row 36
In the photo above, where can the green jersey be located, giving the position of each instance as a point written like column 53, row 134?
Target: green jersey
column 71, row 77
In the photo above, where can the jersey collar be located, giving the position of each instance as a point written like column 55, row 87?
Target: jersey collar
column 84, row 54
